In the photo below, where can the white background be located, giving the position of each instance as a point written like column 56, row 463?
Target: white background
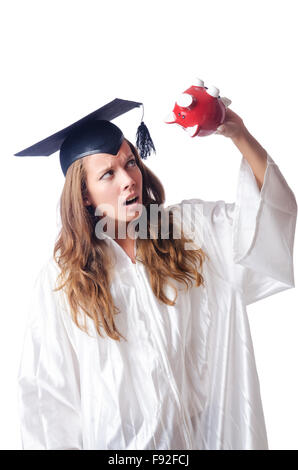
column 61, row 60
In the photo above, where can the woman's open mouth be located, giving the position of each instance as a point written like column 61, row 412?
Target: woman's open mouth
column 132, row 201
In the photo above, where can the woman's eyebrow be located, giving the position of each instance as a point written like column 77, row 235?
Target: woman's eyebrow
column 112, row 166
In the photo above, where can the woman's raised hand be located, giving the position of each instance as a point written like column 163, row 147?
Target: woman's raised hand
column 232, row 126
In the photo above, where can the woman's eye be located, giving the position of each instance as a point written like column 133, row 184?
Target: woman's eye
column 132, row 160
column 106, row 174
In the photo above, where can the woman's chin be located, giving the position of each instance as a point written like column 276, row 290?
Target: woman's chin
column 132, row 214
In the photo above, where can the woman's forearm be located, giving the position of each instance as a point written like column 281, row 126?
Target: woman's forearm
column 254, row 153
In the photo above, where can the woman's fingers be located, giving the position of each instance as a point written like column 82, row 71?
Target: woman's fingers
column 220, row 129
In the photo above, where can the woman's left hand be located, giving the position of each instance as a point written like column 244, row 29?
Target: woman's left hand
column 232, row 126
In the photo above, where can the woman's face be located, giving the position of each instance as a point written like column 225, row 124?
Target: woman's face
column 111, row 180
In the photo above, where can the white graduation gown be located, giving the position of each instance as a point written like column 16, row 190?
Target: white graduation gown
column 186, row 378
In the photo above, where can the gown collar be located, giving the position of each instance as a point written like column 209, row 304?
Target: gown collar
column 121, row 256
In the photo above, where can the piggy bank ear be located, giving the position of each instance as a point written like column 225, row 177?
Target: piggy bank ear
column 226, row 101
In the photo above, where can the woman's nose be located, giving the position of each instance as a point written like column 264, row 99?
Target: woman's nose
column 126, row 179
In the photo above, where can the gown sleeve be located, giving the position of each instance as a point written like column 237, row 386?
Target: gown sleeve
column 48, row 377
column 250, row 241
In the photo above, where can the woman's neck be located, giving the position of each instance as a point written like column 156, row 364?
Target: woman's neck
column 128, row 245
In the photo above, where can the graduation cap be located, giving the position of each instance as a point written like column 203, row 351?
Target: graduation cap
column 92, row 134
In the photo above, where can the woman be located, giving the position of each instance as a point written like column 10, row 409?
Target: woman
column 145, row 341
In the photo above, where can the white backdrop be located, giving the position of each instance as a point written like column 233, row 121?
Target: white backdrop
column 61, row 60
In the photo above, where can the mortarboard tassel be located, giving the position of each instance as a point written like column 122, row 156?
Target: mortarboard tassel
column 143, row 141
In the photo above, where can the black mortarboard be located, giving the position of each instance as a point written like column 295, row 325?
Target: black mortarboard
column 92, row 134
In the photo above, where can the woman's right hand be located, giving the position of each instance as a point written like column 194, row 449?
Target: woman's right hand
column 232, row 126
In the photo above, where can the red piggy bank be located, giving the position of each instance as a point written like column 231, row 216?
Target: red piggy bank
column 199, row 110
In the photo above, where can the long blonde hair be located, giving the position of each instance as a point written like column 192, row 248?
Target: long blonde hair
column 84, row 261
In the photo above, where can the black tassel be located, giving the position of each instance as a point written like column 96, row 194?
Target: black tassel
column 143, row 141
